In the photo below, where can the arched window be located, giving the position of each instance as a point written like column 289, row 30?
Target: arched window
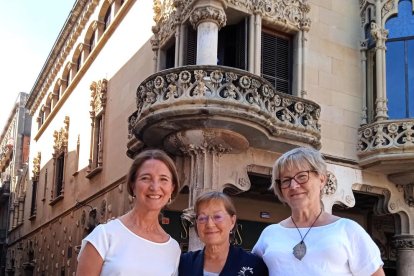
column 400, row 62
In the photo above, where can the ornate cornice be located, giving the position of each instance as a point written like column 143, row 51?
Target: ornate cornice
column 61, row 137
column 73, row 27
column 98, row 96
column 212, row 14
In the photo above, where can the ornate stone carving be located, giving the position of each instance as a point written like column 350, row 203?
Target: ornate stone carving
column 387, row 7
column 403, row 242
column 378, row 33
column 36, row 166
column 73, row 29
column 290, row 14
column 98, row 96
column 230, row 89
column 61, row 138
column 331, row 184
column 213, row 14
column 386, row 135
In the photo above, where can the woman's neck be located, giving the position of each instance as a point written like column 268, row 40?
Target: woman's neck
column 305, row 218
column 214, row 252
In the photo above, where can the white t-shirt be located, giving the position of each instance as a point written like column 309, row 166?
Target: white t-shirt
column 339, row 248
column 125, row 253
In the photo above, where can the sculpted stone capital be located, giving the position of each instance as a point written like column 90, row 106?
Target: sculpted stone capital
column 212, row 14
column 404, row 242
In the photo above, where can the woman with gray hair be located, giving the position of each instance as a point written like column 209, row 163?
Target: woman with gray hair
column 311, row 241
column 215, row 221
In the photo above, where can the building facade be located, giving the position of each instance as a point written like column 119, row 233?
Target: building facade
column 225, row 87
column 14, row 157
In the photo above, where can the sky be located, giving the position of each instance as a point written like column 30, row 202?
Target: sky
column 28, row 30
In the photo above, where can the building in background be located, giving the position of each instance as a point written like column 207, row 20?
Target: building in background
column 14, row 157
column 225, row 87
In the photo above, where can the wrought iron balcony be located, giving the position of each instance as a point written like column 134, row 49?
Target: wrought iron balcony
column 388, row 146
column 194, row 97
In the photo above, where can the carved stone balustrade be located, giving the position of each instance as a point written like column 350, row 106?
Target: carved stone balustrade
column 217, row 97
column 388, row 147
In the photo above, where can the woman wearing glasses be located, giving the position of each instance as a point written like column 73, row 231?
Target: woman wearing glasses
column 215, row 223
column 311, row 241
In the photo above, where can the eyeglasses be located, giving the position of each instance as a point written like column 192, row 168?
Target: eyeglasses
column 300, row 178
column 216, row 218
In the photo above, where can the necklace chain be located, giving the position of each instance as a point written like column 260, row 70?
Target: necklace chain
column 297, row 228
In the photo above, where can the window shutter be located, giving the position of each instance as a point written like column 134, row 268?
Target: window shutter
column 191, row 57
column 276, row 61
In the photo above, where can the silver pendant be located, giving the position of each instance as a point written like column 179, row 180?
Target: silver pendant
column 299, row 250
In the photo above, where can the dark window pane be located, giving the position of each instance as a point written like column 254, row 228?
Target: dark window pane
column 396, row 80
column 232, row 46
column 170, row 57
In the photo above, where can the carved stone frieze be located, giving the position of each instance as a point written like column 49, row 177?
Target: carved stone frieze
column 61, row 138
column 231, row 91
column 98, row 96
column 395, row 135
column 403, row 242
column 211, row 14
column 36, row 165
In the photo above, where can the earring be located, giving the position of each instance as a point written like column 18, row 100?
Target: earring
column 169, row 201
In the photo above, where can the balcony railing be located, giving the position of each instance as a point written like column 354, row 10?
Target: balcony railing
column 222, row 97
column 387, row 146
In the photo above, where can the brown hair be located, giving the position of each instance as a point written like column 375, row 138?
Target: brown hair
column 299, row 158
column 212, row 196
column 155, row 154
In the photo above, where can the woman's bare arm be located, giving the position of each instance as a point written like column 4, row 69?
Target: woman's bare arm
column 90, row 262
column 379, row 272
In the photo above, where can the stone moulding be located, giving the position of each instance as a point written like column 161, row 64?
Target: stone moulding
column 197, row 95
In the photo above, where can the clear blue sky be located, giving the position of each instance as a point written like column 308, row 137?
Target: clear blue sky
column 28, row 30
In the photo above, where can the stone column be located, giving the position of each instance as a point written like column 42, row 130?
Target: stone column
column 258, row 44
column 380, row 36
column 363, row 50
column 201, row 151
column 207, row 18
column 304, row 29
column 405, row 254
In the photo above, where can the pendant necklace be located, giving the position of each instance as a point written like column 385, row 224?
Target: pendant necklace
column 299, row 251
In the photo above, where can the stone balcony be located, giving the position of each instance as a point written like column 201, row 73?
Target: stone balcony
column 388, row 147
column 225, row 99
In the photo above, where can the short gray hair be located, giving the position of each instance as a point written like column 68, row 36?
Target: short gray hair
column 298, row 158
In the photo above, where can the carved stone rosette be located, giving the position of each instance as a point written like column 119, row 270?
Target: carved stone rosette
column 331, row 185
column 211, row 14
